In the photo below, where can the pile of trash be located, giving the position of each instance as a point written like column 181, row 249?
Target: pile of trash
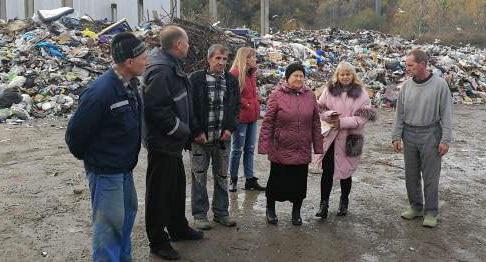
column 47, row 61
column 378, row 58
column 46, row 65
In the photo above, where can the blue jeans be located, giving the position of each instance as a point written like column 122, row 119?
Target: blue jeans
column 114, row 202
column 201, row 156
column 243, row 141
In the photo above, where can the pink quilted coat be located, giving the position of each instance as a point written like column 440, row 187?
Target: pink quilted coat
column 355, row 109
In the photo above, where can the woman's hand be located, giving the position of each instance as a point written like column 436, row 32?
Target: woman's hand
column 334, row 122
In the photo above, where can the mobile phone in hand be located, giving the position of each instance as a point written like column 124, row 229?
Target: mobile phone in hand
column 335, row 114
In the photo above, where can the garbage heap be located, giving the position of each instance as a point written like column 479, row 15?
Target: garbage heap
column 378, row 58
column 44, row 66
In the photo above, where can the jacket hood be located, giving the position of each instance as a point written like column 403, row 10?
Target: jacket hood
column 158, row 56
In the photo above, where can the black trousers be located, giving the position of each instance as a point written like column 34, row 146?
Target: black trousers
column 327, row 178
column 165, row 198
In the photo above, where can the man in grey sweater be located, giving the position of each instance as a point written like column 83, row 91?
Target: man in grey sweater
column 424, row 123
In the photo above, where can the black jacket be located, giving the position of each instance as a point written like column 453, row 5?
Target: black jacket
column 231, row 103
column 167, row 105
column 105, row 129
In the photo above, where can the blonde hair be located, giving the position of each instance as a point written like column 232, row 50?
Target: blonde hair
column 345, row 66
column 239, row 63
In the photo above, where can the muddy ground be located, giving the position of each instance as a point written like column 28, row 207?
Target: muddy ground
column 45, row 205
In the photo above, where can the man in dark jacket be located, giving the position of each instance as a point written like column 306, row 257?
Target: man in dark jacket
column 216, row 100
column 167, row 115
column 104, row 132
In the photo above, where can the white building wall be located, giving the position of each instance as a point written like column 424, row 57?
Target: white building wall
column 46, row 4
column 97, row 9
column 15, row 9
column 128, row 9
column 160, row 6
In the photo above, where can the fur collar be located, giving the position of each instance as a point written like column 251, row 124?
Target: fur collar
column 353, row 91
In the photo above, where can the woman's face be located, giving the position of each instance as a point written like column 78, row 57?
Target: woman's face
column 296, row 80
column 251, row 61
column 345, row 77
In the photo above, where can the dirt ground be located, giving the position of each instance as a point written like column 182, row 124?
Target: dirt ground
column 45, row 205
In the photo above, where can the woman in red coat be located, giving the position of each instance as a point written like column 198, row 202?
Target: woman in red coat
column 244, row 137
column 290, row 129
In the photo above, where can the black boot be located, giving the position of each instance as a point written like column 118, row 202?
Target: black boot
column 187, row 234
column 252, row 184
column 165, row 251
column 296, row 219
column 323, row 207
column 272, row 216
column 343, row 207
column 233, row 185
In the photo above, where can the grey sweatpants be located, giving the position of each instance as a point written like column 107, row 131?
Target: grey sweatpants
column 422, row 162
column 201, row 156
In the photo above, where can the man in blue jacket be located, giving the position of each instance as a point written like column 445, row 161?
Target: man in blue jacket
column 168, row 116
column 105, row 132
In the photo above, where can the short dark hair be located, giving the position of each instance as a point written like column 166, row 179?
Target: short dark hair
column 419, row 55
column 169, row 35
column 216, row 47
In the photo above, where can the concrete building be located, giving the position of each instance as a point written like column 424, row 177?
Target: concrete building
column 136, row 11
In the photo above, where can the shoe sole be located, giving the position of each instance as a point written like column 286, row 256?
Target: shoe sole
column 411, row 218
column 226, row 225
column 272, row 222
column 185, row 239
column 164, row 257
column 254, row 189
column 204, row 228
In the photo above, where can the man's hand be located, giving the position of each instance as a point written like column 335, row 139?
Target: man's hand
column 226, row 135
column 443, row 149
column 397, row 146
column 201, row 139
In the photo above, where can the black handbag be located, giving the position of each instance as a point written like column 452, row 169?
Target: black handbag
column 354, row 145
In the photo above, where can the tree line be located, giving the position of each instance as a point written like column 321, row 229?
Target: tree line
column 453, row 21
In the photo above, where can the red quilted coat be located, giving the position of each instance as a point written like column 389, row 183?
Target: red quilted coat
column 291, row 127
column 250, row 106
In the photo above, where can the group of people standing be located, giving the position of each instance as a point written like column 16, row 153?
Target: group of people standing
column 213, row 113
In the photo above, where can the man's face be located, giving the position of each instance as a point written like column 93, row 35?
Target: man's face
column 217, row 63
column 414, row 68
column 137, row 65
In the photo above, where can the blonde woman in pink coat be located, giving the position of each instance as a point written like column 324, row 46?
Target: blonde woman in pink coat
column 344, row 110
